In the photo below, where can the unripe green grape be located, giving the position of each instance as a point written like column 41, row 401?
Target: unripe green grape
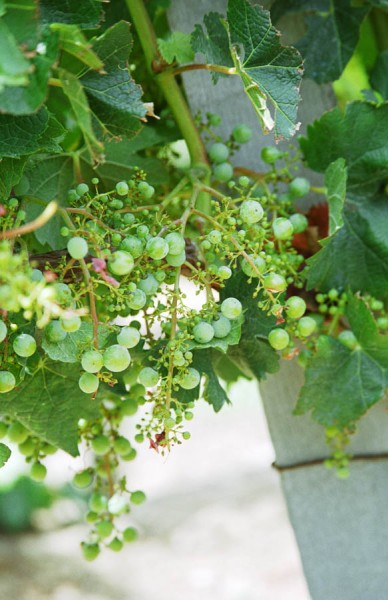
column 98, row 503
column 90, row 551
column 17, row 433
column 3, row 429
column 116, row 358
column 176, row 260
column 122, row 446
column 203, row 332
column 179, row 359
column 218, row 152
column 295, row 307
column 306, row 326
column 221, row 326
column 88, row 383
column 117, row 504
column 100, row 445
column 242, row 133
column 249, row 270
column 71, row 325
column 251, row 211
column 299, row 187
column 128, row 408
column 131, row 455
column 104, row 529
column 116, row 239
column 3, row 331
column 176, row 243
column 374, row 304
column 190, row 380
column 128, row 337
column 7, row 382
column 28, row 447
column 270, row 155
column 138, row 497
column 116, row 204
column 137, row 300
column 382, row 323
column 91, row 517
column 129, row 218
column 186, row 435
column 224, row 272
column 122, row 188
column 348, row 339
column 138, row 391
column 38, row 472
column 244, row 181
column 214, row 236
column 84, row 478
column 133, row 245
column 278, row 339
column 231, row 308
column 37, row 275
column 299, row 222
column 63, row 294
column 92, row 361
column 82, row 189
column 54, row 332
column 274, row 282
column 146, row 190
column 157, row 248
column 148, row 377
column 24, row 345
column 77, row 247
column 121, row 263
column 116, row 545
column 142, row 231
column 149, row 285
column 223, row 172
column 282, row 228
column 214, row 119
column 130, row 535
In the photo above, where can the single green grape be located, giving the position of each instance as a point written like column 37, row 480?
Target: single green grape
column 176, row 243
column 299, row 187
column 176, row 260
column 24, row 345
column 3, row 331
column 128, row 407
column 38, row 472
column 348, row 339
column 278, row 339
column 137, row 300
column 122, row 446
column 251, row 211
column 116, row 545
column 133, row 245
column 282, row 228
column 54, row 332
column 214, row 236
column 17, row 433
column 122, row 188
column 223, row 172
column 71, row 325
column 84, row 478
column 116, row 358
column 157, row 248
column 100, row 445
column 295, row 307
column 242, row 133
column 253, row 271
column 221, row 326
column 231, row 308
column 63, row 294
column 117, row 504
column 138, row 497
column 92, row 361
column 90, row 551
column 98, row 503
column 130, row 534
column 203, row 332
column 274, row 282
column 7, row 382
column 128, row 337
column 121, row 262
column 270, row 155
column 149, row 285
column 77, row 247
column 299, row 222
column 28, row 447
column 190, row 379
column 104, row 528
column 88, row 383
column 82, row 189
column 218, row 152
column 224, row 272
column 148, row 377
column 306, row 326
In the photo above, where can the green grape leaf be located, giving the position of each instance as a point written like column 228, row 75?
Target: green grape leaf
column 227, row 370
column 74, row 42
column 359, row 136
column 86, row 13
column 75, row 93
column 5, row 453
column 221, row 344
column 75, row 344
column 335, row 182
column 253, row 355
column 177, row 47
column 356, row 256
column 286, row 7
column 50, row 403
column 214, row 44
column 378, row 77
column 341, row 384
column 14, row 67
column 21, row 135
column 50, row 232
column 11, row 170
column 114, row 97
column 269, row 71
column 49, row 176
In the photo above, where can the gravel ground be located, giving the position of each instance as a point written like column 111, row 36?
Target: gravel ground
column 214, row 527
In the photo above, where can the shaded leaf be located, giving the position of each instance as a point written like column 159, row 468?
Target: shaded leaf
column 14, row 67
column 50, row 404
column 73, row 41
column 214, row 44
column 49, row 176
column 5, row 453
column 86, row 13
column 379, row 74
column 11, row 170
column 75, row 344
column 21, row 135
column 335, row 182
column 177, row 47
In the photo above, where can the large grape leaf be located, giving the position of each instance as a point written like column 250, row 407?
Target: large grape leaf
column 11, row 170
column 114, row 96
column 341, row 384
column 49, row 177
column 271, row 73
column 333, row 28
column 21, row 135
column 214, row 44
column 50, row 404
column 253, row 355
column 85, row 13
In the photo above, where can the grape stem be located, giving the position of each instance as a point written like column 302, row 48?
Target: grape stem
column 88, row 281
column 202, row 66
column 37, row 223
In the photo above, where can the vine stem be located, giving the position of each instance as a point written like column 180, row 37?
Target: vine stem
column 203, row 67
column 37, row 223
column 170, row 90
column 88, row 281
